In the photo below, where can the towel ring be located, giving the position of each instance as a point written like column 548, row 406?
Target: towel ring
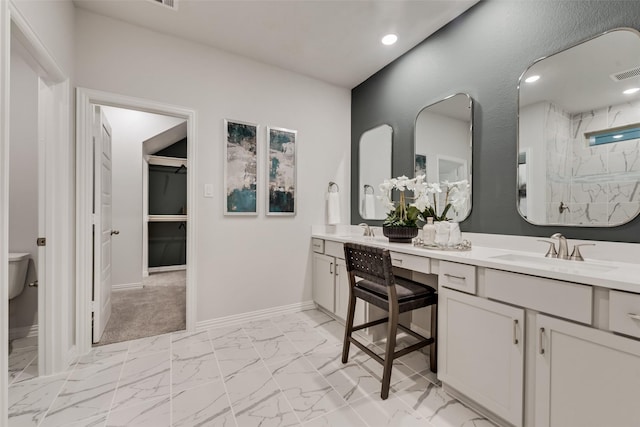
column 333, row 184
column 368, row 187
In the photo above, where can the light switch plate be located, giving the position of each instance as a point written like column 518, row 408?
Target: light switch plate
column 208, row 190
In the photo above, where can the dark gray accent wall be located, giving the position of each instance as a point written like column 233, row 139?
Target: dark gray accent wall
column 483, row 53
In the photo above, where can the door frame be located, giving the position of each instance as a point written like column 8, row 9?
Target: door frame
column 85, row 98
column 55, row 344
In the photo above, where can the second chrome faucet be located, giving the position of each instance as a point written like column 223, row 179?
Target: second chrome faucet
column 563, row 249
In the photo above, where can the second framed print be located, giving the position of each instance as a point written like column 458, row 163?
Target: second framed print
column 240, row 168
column 281, row 167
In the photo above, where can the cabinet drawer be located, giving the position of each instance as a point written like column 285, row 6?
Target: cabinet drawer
column 563, row 299
column 317, row 245
column 461, row 277
column 624, row 313
column 334, row 249
column 411, row 262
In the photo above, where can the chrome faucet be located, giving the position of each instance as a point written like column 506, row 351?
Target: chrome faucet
column 563, row 249
column 368, row 232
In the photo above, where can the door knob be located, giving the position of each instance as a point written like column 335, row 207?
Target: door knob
column 115, row 232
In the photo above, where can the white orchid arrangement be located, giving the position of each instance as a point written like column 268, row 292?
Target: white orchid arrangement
column 426, row 197
column 403, row 214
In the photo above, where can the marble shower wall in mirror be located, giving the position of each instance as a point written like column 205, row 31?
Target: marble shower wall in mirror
column 579, row 134
column 375, row 167
column 443, row 146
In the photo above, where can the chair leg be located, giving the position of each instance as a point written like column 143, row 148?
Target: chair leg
column 390, row 350
column 348, row 327
column 433, row 351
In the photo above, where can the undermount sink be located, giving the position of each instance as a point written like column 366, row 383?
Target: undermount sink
column 569, row 265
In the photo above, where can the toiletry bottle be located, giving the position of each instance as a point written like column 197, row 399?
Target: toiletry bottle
column 429, row 232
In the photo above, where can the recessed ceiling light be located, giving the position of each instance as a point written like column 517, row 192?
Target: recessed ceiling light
column 617, row 136
column 389, row 39
column 532, row 79
column 632, row 90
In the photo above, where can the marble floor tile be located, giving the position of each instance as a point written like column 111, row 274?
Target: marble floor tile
column 29, row 400
column 272, row 345
column 207, row 405
column 192, row 365
column 435, row 405
column 391, row 412
column 154, row 413
column 258, row 401
column 143, row 379
column 181, row 339
column 88, row 392
column 309, row 393
column 99, row 421
column 344, row 416
column 281, row 371
column 150, row 345
column 238, row 359
column 106, row 354
column 19, row 360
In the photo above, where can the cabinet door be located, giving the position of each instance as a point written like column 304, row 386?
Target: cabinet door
column 585, row 377
column 342, row 295
column 481, row 352
column 323, row 280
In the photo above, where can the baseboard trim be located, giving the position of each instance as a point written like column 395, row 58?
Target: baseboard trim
column 254, row 315
column 23, row 332
column 123, row 286
column 167, row 268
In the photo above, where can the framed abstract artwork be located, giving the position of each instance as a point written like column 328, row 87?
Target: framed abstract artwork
column 281, row 167
column 240, row 168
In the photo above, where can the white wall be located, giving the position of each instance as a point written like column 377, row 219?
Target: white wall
column 244, row 263
column 23, row 182
column 129, row 129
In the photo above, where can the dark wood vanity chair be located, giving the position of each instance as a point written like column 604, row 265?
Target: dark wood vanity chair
column 378, row 286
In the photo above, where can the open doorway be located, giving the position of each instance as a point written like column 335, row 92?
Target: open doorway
column 88, row 216
column 146, row 234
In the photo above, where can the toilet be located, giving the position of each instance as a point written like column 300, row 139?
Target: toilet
column 18, row 266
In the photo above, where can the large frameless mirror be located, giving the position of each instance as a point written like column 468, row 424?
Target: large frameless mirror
column 579, row 134
column 443, row 149
column 375, row 167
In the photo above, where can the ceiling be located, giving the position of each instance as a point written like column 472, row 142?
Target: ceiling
column 336, row 41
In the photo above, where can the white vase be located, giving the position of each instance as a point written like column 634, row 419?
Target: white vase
column 442, row 233
column 455, row 236
column 429, row 232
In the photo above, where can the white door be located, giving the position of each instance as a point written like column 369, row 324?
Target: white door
column 585, row 377
column 102, row 230
column 481, row 352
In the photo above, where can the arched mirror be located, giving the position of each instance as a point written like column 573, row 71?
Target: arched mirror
column 579, row 134
column 443, row 147
column 375, row 167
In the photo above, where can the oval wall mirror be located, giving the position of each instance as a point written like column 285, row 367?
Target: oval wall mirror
column 375, row 167
column 579, row 134
column 443, row 146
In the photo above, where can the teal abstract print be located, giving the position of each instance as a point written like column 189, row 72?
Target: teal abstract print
column 282, row 172
column 240, row 168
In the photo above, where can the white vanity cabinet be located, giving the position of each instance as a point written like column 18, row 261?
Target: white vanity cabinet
column 480, row 346
column 585, row 376
column 330, row 280
column 324, row 281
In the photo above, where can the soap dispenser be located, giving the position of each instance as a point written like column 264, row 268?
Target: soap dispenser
column 429, row 232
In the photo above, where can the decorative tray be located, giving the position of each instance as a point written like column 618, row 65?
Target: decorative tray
column 465, row 245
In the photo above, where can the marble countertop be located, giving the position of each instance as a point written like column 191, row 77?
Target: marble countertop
column 623, row 276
